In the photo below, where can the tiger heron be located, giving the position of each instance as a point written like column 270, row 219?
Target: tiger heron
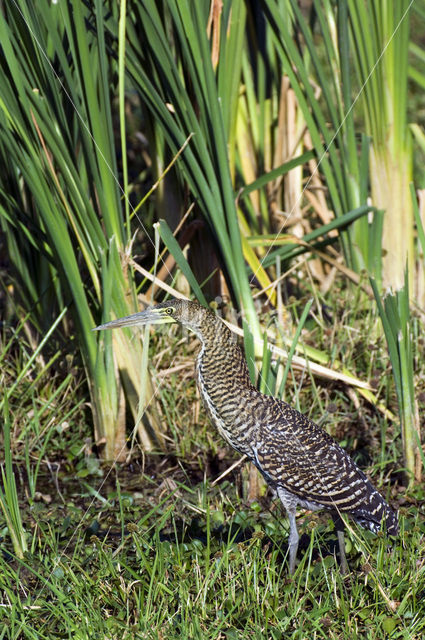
column 297, row 458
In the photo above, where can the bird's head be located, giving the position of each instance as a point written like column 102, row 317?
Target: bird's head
column 189, row 314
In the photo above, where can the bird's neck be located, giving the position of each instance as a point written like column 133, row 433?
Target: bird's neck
column 224, row 385
column 220, row 357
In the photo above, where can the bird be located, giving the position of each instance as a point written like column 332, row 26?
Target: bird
column 299, row 460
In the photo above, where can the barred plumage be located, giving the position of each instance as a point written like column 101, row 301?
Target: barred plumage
column 298, row 459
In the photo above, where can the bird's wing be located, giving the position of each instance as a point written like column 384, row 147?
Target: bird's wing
column 297, row 454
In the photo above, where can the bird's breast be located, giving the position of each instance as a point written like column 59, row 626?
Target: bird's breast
column 225, row 405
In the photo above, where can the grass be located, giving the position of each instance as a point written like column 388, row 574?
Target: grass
column 158, row 547
column 201, row 564
column 155, row 549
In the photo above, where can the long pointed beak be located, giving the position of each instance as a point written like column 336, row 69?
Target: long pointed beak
column 150, row 316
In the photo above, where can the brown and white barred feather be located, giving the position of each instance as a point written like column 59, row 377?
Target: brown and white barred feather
column 293, row 453
column 298, row 459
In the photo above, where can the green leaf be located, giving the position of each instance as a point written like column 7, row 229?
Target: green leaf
column 276, row 173
column 178, row 255
column 389, row 624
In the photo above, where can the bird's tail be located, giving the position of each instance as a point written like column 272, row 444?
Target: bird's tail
column 376, row 512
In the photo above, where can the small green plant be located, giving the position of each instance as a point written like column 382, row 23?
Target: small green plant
column 9, row 503
column 394, row 312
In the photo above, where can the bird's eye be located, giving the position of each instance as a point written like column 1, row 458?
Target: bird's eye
column 169, row 311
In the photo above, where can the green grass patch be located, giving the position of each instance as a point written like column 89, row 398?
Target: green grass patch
column 156, row 549
column 195, row 563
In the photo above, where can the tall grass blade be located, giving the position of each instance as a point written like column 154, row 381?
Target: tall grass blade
column 175, row 250
column 380, row 36
column 395, row 316
column 60, row 199
column 204, row 106
column 300, row 326
column 9, row 500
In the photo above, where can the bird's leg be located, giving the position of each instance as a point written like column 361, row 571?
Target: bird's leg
column 290, row 503
column 344, row 565
column 339, row 526
column 293, row 540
